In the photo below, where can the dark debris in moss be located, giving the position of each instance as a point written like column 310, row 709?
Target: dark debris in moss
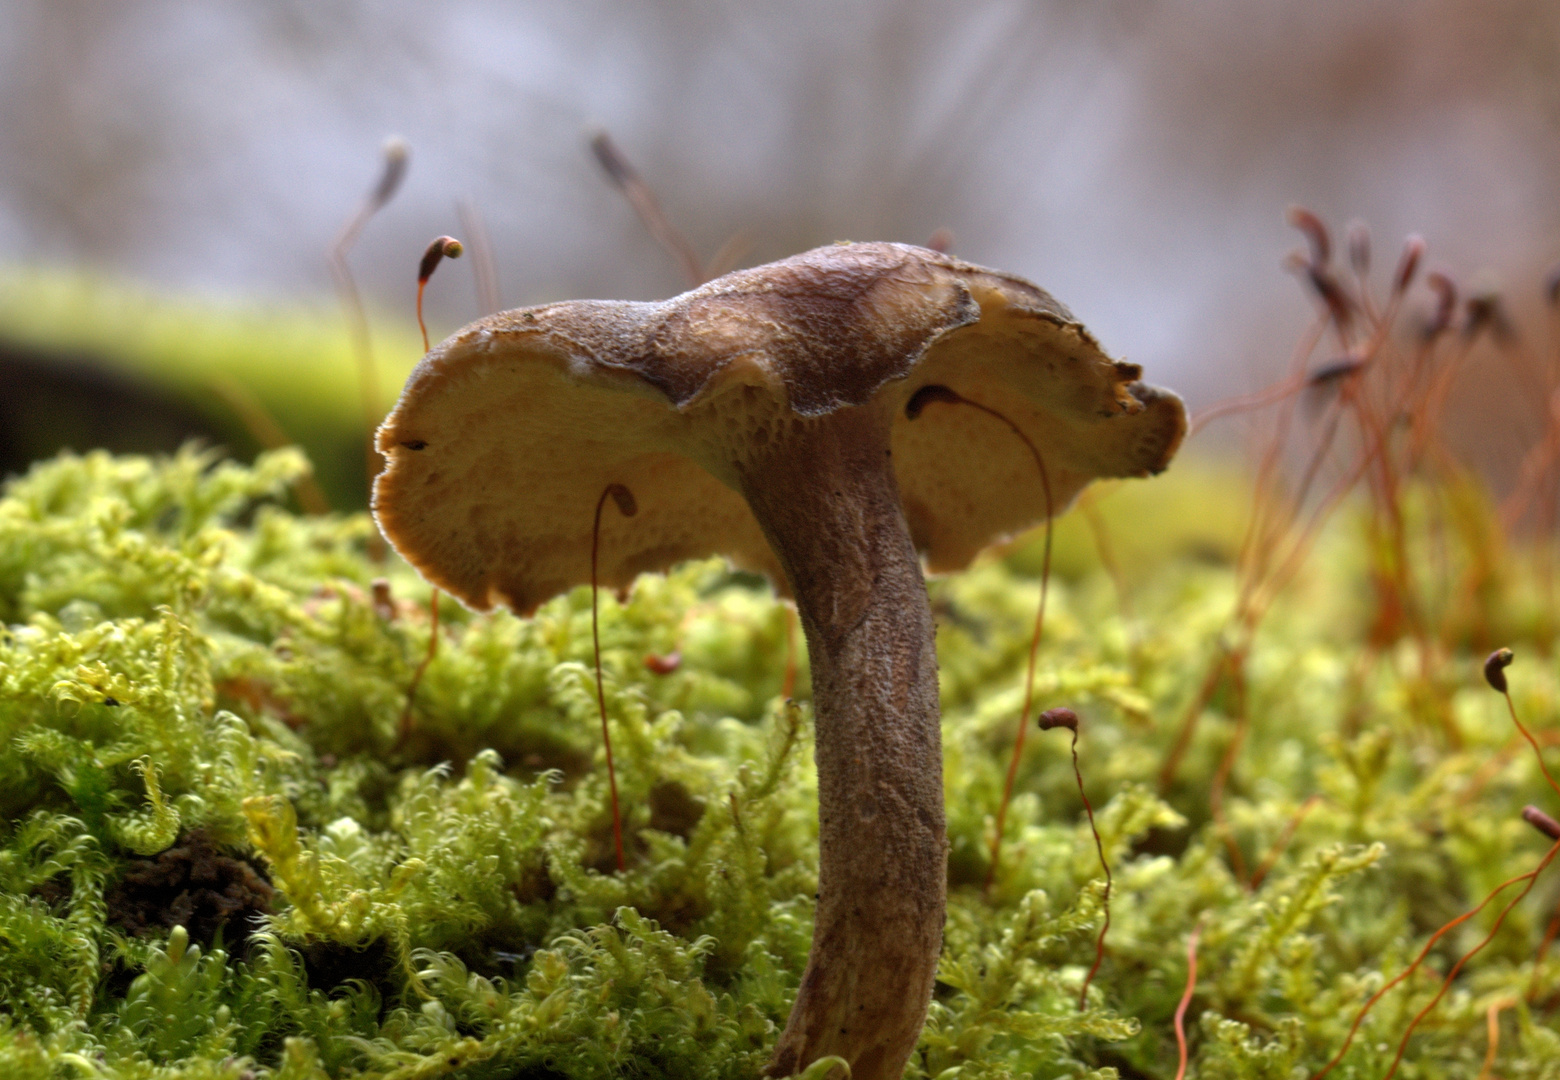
column 192, row 884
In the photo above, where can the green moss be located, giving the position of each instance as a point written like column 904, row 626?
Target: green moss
column 197, row 685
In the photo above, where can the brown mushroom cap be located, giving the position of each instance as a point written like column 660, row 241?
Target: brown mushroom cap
column 508, row 432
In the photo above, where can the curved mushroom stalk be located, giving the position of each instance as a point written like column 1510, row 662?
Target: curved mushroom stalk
column 758, row 417
column 827, row 500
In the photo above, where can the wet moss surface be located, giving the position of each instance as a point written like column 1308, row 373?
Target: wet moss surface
column 224, row 855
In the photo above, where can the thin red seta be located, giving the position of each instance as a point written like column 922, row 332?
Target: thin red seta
column 484, row 269
column 1542, row 956
column 265, row 430
column 1066, row 718
column 1186, row 999
column 1251, row 606
column 1248, row 402
column 1495, row 674
column 1370, row 1003
column 1269, row 559
column 444, row 247
column 942, row 393
column 1532, row 879
column 639, row 195
column 788, row 679
column 1283, row 391
column 1194, row 711
column 1221, row 776
column 405, row 727
column 1538, row 467
column 1023, row 714
column 396, row 156
column 1278, row 579
column 1492, row 1032
column 1088, row 506
column 918, row 401
column 628, row 508
column 1280, row 531
column 1258, row 526
column 1262, row 871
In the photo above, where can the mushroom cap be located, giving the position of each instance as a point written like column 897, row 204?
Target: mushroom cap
column 508, row 432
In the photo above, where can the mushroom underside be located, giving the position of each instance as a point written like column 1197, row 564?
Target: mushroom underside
column 763, row 417
column 492, row 480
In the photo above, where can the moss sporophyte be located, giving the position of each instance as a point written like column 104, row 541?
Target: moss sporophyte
column 773, row 416
column 256, row 825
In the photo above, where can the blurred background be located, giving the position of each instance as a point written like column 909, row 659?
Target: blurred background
column 171, row 175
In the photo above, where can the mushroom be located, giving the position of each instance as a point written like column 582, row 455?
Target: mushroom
column 763, row 417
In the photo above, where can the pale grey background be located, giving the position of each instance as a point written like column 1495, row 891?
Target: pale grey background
column 1133, row 156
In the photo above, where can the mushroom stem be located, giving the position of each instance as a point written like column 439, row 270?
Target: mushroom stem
column 828, row 502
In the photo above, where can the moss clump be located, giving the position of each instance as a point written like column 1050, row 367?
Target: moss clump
column 220, row 857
